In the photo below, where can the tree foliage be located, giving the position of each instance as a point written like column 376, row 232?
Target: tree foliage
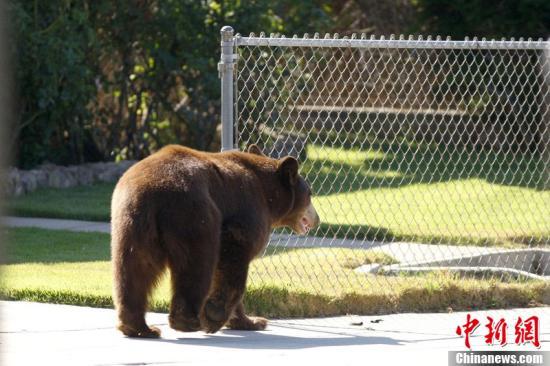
column 484, row 18
column 109, row 79
column 54, row 80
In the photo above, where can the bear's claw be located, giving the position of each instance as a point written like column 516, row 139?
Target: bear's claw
column 248, row 323
column 150, row 332
column 184, row 324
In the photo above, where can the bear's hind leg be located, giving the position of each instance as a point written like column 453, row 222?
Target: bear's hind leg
column 134, row 280
column 191, row 269
column 189, row 290
column 226, row 293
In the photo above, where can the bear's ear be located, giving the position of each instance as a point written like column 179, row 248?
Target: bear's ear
column 288, row 168
column 254, row 149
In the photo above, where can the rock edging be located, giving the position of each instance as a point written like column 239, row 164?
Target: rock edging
column 18, row 182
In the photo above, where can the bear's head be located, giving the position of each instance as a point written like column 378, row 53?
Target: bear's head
column 301, row 216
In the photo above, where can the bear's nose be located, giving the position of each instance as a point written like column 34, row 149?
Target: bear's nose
column 312, row 216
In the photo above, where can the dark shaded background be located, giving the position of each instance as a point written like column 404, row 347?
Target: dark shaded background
column 118, row 79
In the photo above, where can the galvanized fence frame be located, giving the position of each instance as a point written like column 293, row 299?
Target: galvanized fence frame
column 515, row 262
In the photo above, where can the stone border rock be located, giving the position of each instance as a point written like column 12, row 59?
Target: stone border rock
column 19, row 182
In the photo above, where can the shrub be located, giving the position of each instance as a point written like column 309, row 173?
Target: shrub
column 109, row 79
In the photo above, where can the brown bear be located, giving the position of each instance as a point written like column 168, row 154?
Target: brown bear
column 204, row 216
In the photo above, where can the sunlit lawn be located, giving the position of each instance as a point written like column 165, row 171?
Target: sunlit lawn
column 388, row 193
column 429, row 196
column 74, row 268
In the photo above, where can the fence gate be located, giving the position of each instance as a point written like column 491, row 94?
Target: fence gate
column 429, row 162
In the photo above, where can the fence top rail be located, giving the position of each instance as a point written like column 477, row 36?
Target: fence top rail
column 276, row 40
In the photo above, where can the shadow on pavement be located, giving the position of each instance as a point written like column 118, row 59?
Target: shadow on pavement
column 265, row 340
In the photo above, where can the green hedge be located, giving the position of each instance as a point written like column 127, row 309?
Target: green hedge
column 108, row 79
column 484, row 18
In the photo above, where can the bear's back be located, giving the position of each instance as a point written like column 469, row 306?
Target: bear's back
column 176, row 173
column 171, row 168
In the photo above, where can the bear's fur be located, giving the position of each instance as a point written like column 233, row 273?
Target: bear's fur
column 204, row 216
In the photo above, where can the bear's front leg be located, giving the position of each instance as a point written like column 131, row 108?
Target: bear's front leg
column 225, row 294
column 240, row 321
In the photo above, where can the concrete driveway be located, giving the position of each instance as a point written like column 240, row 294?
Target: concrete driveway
column 49, row 334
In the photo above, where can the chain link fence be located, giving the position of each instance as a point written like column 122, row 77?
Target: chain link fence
column 429, row 159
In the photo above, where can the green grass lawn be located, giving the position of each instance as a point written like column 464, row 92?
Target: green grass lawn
column 77, row 203
column 74, row 268
column 393, row 192
column 430, row 194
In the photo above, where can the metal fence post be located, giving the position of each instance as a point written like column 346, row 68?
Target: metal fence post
column 225, row 69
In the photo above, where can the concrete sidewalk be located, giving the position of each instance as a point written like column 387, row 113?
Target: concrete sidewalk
column 48, row 334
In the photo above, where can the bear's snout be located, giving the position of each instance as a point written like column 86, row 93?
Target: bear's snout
column 309, row 220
